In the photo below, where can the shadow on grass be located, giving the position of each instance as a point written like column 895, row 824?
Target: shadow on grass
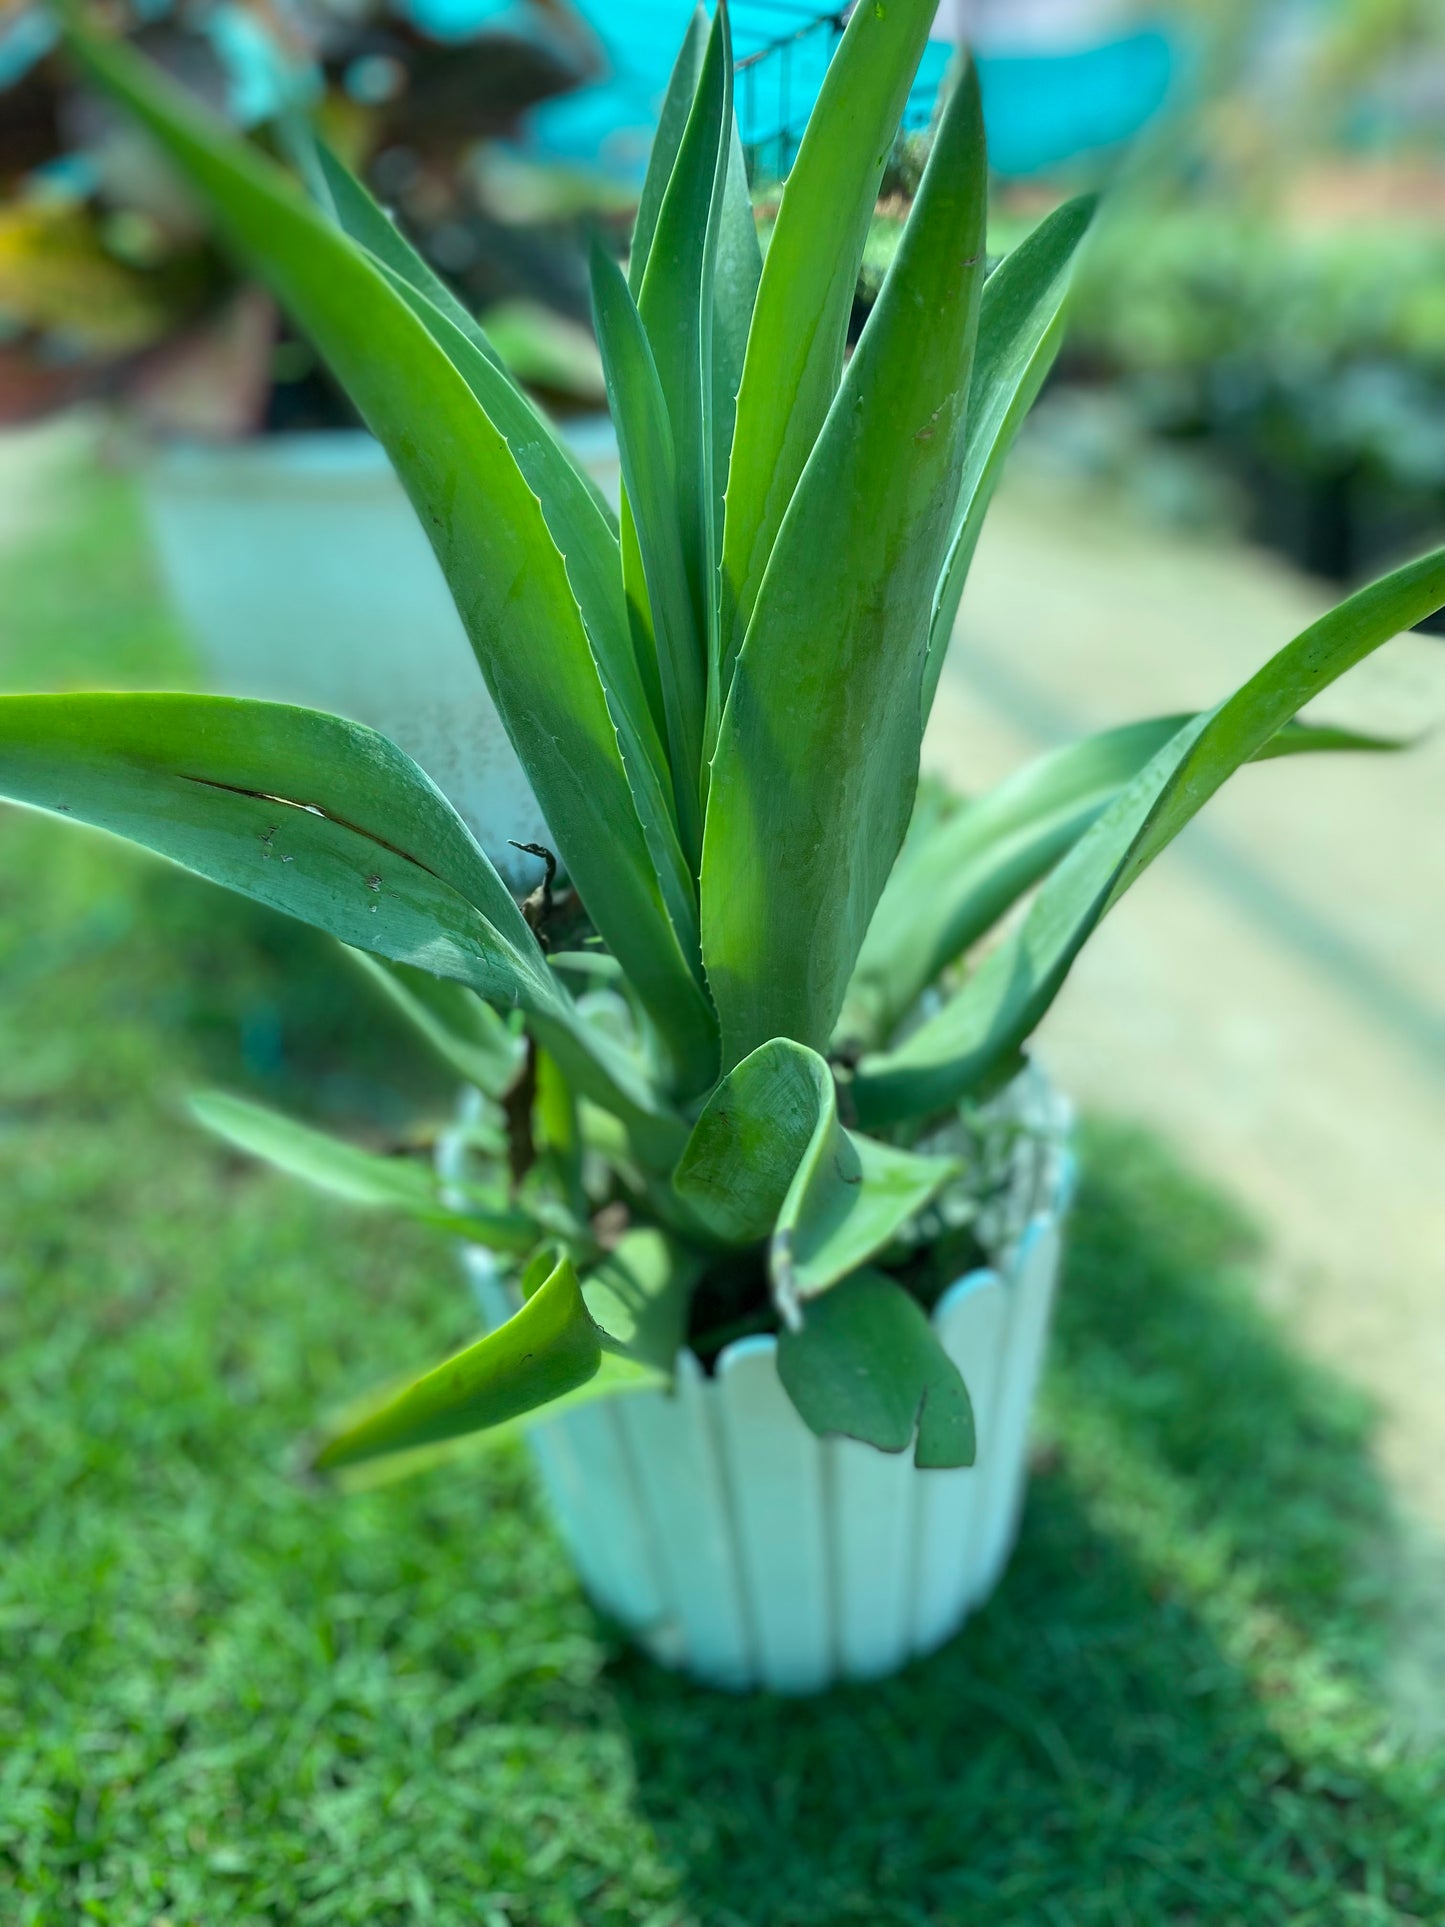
column 1165, row 1712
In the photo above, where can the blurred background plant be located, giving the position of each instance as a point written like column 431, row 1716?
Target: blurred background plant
column 1257, row 337
column 109, row 280
column 1307, row 358
column 1271, row 291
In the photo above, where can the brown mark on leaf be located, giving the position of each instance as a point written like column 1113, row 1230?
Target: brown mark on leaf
column 310, row 809
column 926, row 433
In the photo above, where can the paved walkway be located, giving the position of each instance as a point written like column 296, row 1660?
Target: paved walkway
column 1272, row 994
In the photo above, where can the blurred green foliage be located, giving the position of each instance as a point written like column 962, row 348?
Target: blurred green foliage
column 1321, row 345
column 1302, row 361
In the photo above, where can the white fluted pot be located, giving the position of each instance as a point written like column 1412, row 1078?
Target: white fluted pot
column 735, row 1545
column 300, row 569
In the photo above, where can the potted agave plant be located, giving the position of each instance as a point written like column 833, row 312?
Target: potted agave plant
column 764, row 1205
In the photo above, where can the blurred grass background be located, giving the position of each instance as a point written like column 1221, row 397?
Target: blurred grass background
column 223, row 1698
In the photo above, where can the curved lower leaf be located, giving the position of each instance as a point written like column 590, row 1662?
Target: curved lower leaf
column 989, row 1018
column 751, row 1138
column 867, row 1364
column 545, row 1350
column 850, row 1196
column 360, row 1177
column 615, row 1377
column 769, row 1158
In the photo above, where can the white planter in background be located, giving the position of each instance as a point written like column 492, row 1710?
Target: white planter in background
column 736, row 1546
column 301, row 570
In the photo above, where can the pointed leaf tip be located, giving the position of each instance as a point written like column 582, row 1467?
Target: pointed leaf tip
column 546, row 1349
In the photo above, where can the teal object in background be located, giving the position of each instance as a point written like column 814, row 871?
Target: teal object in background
column 1041, row 108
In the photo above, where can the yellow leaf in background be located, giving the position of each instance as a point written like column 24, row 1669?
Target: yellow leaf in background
column 57, row 278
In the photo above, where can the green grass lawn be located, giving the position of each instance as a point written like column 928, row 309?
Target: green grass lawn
column 224, row 1698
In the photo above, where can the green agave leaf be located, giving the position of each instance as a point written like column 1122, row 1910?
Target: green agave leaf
column 850, row 1196
column 577, row 517
column 316, row 816
column 373, row 229
column 799, row 328
column 1019, row 331
column 639, row 617
column 476, row 1041
column 649, row 476
column 593, row 565
column 736, row 274
column 675, row 302
column 676, row 107
column 360, row 1177
column 956, row 882
column 952, row 885
column 817, row 757
column 867, row 1363
column 481, row 515
column 545, row 1350
column 768, row 1157
column 582, row 526
column 326, row 821
column 615, row 1377
column 989, row 1018
column 672, row 122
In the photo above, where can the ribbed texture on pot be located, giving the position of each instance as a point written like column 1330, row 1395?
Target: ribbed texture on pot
column 736, row 1546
